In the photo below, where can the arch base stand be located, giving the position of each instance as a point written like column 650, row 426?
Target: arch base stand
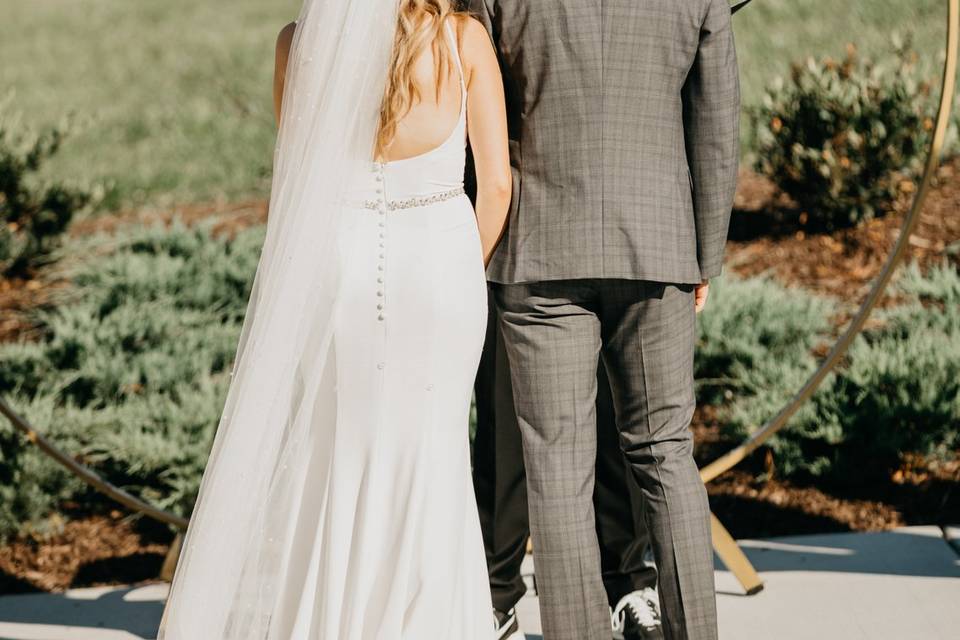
column 732, row 556
column 170, row 561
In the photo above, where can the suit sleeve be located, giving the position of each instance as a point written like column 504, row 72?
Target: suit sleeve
column 711, row 118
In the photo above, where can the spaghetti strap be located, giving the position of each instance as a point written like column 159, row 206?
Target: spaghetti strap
column 455, row 49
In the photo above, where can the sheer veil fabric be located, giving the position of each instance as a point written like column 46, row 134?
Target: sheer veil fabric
column 235, row 558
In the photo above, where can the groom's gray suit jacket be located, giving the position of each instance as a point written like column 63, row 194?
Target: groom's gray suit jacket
column 623, row 122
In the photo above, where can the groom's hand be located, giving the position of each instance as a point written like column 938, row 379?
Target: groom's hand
column 700, row 295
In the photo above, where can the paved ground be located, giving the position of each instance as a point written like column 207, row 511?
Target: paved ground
column 896, row 585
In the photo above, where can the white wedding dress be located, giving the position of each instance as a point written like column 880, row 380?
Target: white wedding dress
column 337, row 502
column 397, row 552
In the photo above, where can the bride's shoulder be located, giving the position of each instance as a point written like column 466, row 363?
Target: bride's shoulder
column 473, row 38
column 468, row 26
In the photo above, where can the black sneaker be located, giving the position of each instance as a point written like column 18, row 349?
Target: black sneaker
column 637, row 616
column 505, row 624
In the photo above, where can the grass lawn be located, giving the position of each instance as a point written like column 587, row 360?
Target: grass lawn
column 771, row 33
column 176, row 93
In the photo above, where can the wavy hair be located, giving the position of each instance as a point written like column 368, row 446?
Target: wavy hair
column 419, row 25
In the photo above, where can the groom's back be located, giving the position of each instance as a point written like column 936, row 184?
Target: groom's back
column 600, row 137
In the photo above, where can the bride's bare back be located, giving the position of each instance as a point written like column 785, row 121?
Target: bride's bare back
column 432, row 118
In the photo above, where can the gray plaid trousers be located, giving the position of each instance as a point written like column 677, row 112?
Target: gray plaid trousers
column 554, row 334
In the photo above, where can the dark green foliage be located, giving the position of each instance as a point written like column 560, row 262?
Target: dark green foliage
column 753, row 333
column 133, row 370
column 33, row 213
column 843, row 138
column 897, row 392
column 754, row 353
column 901, row 391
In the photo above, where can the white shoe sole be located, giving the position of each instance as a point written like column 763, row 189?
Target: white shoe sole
column 511, row 631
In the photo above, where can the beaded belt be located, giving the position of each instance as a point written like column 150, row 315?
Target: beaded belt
column 394, row 205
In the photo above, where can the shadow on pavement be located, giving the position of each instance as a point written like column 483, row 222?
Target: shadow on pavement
column 11, row 584
column 129, row 569
column 107, row 611
column 920, row 551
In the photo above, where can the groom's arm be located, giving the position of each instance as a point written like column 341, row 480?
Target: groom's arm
column 711, row 117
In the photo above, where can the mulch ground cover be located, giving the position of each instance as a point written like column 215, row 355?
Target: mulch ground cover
column 86, row 551
column 768, row 235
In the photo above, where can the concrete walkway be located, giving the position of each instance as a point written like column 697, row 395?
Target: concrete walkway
column 902, row 584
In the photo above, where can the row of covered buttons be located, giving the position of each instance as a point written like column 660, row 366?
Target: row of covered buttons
column 381, row 241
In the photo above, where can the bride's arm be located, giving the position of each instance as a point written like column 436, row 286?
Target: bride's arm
column 284, row 40
column 487, row 130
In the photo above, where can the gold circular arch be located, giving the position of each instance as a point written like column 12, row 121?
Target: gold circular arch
column 723, row 542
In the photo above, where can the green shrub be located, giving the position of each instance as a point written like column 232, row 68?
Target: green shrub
column 132, row 372
column 752, row 335
column 754, row 352
column 897, row 392
column 901, row 392
column 33, row 212
column 842, row 138
column 32, row 486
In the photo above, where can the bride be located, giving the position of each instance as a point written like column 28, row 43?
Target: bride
column 337, row 501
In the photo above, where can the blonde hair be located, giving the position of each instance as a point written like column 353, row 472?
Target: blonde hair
column 420, row 24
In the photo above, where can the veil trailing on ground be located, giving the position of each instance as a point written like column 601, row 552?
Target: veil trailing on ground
column 235, row 558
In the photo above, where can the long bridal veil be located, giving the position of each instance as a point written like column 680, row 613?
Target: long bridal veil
column 235, row 562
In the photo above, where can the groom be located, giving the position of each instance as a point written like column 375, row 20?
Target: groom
column 623, row 122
